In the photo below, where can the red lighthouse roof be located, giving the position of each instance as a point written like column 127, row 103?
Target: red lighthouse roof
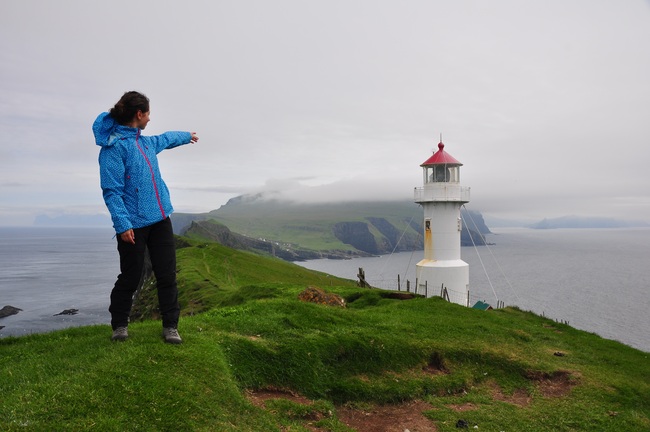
column 441, row 157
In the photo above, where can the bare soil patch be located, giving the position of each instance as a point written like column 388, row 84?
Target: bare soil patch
column 519, row 397
column 389, row 418
column 556, row 384
column 376, row 418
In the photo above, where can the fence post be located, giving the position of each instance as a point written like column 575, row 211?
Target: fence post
column 398, row 284
column 408, row 285
column 426, row 289
column 362, row 279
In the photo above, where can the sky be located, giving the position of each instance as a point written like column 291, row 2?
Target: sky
column 546, row 103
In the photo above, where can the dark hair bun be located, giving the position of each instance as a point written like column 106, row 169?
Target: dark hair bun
column 128, row 106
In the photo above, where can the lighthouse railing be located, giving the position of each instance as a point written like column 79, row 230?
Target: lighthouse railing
column 442, row 192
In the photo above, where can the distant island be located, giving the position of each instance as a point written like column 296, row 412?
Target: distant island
column 299, row 231
column 586, row 222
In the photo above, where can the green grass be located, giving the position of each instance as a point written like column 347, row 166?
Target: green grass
column 257, row 335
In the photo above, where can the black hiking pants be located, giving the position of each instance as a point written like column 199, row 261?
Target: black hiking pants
column 159, row 239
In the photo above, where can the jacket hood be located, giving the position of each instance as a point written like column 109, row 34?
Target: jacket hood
column 107, row 130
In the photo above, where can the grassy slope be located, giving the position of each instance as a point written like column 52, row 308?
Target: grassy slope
column 210, row 274
column 376, row 350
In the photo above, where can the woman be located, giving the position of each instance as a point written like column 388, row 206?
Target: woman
column 139, row 203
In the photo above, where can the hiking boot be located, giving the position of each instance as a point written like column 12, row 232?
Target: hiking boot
column 120, row 334
column 171, row 335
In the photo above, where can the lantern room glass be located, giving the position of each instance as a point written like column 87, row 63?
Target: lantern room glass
column 441, row 174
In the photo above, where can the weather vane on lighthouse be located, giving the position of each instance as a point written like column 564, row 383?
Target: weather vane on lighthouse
column 441, row 197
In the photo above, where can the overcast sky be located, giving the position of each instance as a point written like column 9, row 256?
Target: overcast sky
column 546, row 103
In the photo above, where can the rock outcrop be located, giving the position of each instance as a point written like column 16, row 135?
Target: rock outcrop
column 8, row 311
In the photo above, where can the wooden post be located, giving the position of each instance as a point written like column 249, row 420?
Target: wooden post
column 467, row 298
column 408, row 285
column 398, row 287
column 362, row 279
column 426, row 289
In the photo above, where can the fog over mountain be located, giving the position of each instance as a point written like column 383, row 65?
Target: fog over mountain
column 545, row 103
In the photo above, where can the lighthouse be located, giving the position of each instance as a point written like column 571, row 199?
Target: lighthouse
column 441, row 198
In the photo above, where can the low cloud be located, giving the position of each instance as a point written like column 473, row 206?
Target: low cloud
column 346, row 190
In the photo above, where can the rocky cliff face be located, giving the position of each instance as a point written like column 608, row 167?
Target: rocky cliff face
column 388, row 238
column 357, row 235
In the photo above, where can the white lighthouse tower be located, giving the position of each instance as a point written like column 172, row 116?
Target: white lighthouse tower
column 441, row 198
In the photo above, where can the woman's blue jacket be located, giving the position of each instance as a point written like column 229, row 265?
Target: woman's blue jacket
column 134, row 191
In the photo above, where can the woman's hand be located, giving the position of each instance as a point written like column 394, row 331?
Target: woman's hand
column 195, row 137
column 128, row 236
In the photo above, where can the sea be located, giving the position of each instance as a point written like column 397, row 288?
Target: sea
column 596, row 280
column 45, row 271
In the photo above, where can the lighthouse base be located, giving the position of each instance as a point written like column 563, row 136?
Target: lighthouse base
column 432, row 276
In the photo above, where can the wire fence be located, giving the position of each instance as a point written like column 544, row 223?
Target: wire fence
column 397, row 284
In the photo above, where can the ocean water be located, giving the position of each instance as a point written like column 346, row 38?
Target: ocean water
column 596, row 279
column 44, row 271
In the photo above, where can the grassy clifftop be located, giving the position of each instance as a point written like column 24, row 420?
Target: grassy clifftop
column 256, row 358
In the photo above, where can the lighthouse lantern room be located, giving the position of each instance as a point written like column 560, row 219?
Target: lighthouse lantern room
column 441, row 197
